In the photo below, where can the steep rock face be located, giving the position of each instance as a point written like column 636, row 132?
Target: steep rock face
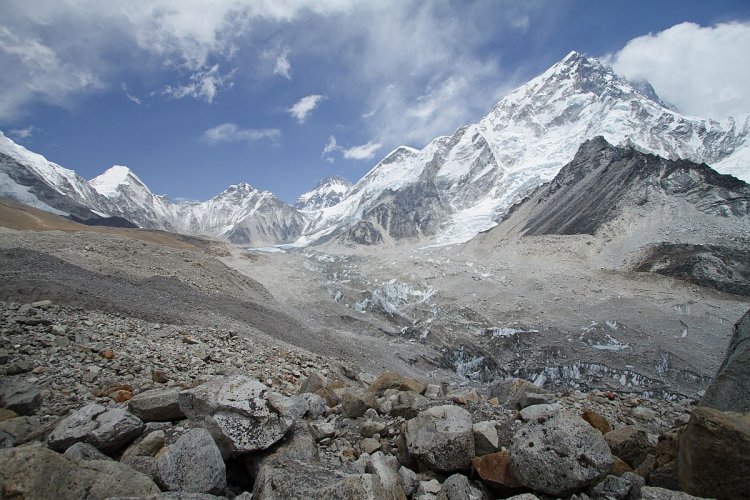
column 648, row 214
column 593, row 188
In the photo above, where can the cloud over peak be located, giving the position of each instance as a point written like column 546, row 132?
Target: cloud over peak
column 701, row 70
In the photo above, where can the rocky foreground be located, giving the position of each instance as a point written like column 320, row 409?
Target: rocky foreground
column 106, row 406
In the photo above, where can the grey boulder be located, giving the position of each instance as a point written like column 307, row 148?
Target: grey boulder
column 157, row 405
column 236, row 412
column 309, row 480
column 108, row 430
column 39, row 473
column 441, row 438
column 558, row 453
column 20, row 397
column 193, row 464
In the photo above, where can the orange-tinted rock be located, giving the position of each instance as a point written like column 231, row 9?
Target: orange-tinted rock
column 121, row 396
column 494, row 470
column 620, row 467
column 596, row 421
column 107, row 354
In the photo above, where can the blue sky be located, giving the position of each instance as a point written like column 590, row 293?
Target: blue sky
column 196, row 95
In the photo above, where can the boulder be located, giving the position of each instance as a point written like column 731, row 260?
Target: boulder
column 494, row 470
column 370, row 428
column 406, row 404
column 433, row 391
column 21, row 428
column 235, row 411
column 313, row 383
column 485, row 437
column 511, row 392
column 321, row 430
column 428, row 489
column 654, row 493
column 458, row 487
column 157, row 405
column 714, row 454
column 378, row 465
column 369, row 445
column 353, row 403
column 20, row 397
column 316, row 405
column 298, row 479
column 596, row 421
column 441, row 438
column 617, row 488
column 630, row 443
column 108, row 430
column 149, row 446
column 730, row 389
column 193, row 463
column 392, row 380
column 465, row 397
column 558, row 453
column 39, row 473
column 409, row 480
column 85, row 451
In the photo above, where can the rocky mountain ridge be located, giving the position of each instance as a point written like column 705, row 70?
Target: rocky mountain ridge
column 447, row 192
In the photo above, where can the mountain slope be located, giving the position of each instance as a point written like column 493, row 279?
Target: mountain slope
column 483, row 169
column 645, row 213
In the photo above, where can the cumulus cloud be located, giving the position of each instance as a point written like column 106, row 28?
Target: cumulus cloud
column 34, row 71
column 362, row 152
column 56, row 52
column 701, row 70
column 201, row 85
column 301, row 109
column 231, row 132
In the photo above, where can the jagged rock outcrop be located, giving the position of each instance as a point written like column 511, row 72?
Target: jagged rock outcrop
column 730, row 390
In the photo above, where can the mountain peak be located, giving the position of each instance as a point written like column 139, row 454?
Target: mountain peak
column 327, row 193
column 109, row 182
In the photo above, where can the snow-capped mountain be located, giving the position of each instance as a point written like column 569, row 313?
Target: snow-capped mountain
column 463, row 184
column 327, row 193
column 243, row 215
column 131, row 199
column 29, row 178
column 240, row 214
column 452, row 189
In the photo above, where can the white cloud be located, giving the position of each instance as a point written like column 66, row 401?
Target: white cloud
column 282, row 66
column 231, row 132
column 362, row 152
column 34, row 71
column 331, row 146
column 130, row 96
column 302, row 108
column 202, row 85
column 23, row 133
column 701, row 70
